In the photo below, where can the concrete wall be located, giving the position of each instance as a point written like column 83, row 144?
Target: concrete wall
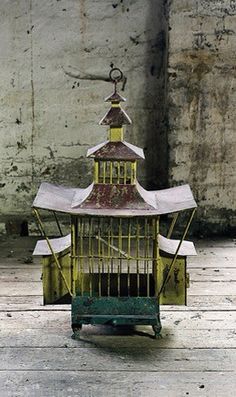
column 55, row 56
column 202, row 100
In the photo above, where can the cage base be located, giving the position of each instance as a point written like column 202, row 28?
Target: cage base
column 116, row 311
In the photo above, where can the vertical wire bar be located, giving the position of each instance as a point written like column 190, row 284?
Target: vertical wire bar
column 97, row 163
column 109, row 261
column 129, row 254
column 96, row 171
column 118, row 172
column 145, row 251
column 156, row 255
column 137, row 255
column 133, row 172
column 107, row 171
column 90, row 258
column 102, row 245
column 92, row 253
column 118, row 279
column 120, row 249
column 74, row 258
column 125, row 172
column 99, row 258
column 148, row 255
column 82, row 254
column 129, row 172
column 79, row 255
column 108, row 278
column 121, row 172
column 112, row 245
column 111, row 171
column 104, row 172
column 114, row 172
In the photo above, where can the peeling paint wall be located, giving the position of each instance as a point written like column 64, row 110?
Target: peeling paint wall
column 202, row 101
column 55, row 58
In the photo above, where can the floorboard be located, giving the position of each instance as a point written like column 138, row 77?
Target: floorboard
column 196, row 355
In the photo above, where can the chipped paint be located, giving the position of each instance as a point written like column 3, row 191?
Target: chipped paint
column 202, row 108
column 52, row 81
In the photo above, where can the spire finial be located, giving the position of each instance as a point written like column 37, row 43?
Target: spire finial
column 115, row 76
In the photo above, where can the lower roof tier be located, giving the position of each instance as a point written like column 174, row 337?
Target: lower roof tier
column 114, row 200
column 166, row 245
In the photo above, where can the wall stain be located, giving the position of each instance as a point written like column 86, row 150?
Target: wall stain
column 32, row 92
column 23, row 188
column 21, row 145
column 51, row 154
column 83, row 21
column 68, row 172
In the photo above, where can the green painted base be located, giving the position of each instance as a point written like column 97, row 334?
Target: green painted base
column 115, row 311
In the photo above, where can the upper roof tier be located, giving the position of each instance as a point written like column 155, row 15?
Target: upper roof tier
column 116, row 151
column 115, row 117
column 115, row 97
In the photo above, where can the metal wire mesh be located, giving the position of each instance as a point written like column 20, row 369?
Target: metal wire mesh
column 115, row 172
column 116, row 257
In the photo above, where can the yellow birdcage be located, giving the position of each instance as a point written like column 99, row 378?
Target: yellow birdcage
column 115, row 266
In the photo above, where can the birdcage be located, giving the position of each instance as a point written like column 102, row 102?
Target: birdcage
column 115, row 266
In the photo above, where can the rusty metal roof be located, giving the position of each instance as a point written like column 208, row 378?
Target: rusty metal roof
column 115, row 97
column 97, row 199
column 115, row 117
column 106, row 196
column 120, row 150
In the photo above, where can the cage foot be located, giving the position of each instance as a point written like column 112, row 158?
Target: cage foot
column 76, row 331
column 157, row 331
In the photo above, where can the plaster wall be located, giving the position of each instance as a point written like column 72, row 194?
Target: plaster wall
column 55, row 58
column 202, row 102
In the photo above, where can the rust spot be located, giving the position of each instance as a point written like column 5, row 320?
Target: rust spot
column 115, row 197
column 115, row 151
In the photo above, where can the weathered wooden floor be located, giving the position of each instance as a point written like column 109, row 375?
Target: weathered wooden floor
column 195, row 357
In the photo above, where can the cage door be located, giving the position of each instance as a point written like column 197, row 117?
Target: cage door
column 54, row 288
column 174, row 292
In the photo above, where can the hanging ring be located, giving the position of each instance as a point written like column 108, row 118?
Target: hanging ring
column 115, row 75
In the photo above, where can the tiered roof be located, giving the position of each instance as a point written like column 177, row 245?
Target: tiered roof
column 114, row 199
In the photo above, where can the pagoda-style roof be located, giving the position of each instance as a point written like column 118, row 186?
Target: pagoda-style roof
column 113, row 200
column 120, row 150
column 115, row 117
column 112, row 197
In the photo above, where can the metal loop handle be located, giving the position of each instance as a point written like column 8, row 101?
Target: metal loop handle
column 114, row 78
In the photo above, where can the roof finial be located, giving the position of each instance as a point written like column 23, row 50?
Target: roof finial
column 116, row 116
